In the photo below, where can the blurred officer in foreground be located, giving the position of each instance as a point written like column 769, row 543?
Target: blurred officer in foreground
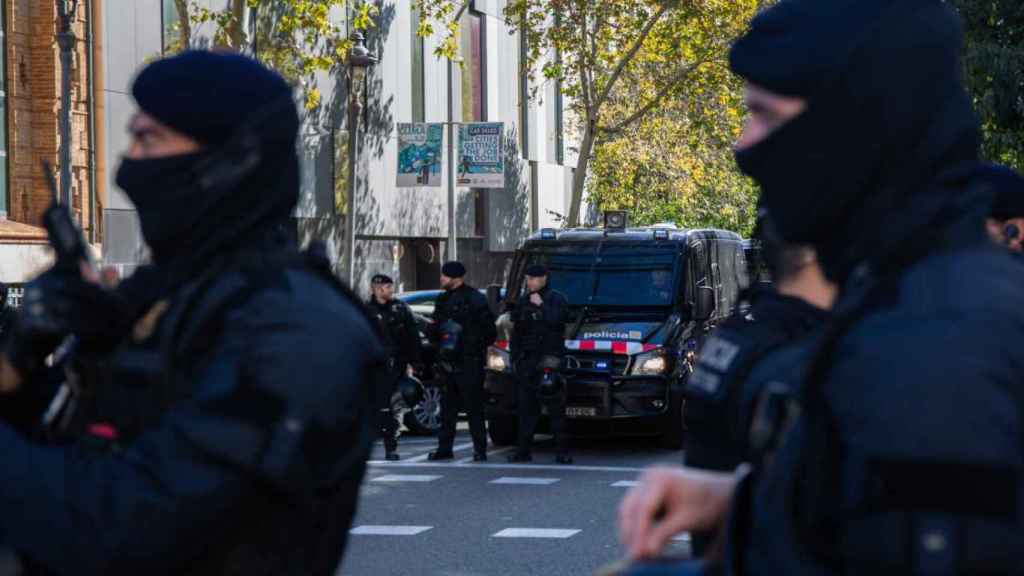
column 219, row 431
column 1005, row 223
column 538, row 346
column 783, row 313
column 464, row 328
column 402, row 344
column 864, row 143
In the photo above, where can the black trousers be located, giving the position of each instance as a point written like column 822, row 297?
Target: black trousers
column 464, row 389
column 387, row 412
column 530, row 405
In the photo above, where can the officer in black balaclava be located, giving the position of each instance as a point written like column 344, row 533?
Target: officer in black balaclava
column 779, row 314
column 402, row 344
column 464, row 328
column 1005, row 223
column 538, row 346
column 215, row 429
column 864, row 143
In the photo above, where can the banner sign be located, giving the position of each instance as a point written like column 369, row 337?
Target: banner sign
column 481, row 159
column 419, row 154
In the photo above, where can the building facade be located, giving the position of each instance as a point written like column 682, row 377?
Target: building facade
column 399, row 231
column 30, row 95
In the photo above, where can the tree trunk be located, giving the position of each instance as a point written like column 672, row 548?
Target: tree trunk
column 184, row 23
column 236, row 33
column 579, row 179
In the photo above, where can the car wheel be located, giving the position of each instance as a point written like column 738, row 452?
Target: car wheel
column 502, row 430
column 425, row 418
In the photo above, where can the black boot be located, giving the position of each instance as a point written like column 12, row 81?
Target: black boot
column 392, row 456
column 480, row 457
column 439, row 455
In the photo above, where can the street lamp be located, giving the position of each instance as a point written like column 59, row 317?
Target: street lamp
column 66, row 41
column 359, row 59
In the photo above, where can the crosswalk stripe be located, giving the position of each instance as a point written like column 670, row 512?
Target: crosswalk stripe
column 536, row 533
column 524, row 481
column 405, row 478
column 389, row 530
column 625, row 484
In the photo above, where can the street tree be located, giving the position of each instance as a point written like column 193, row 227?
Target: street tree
column 994, row 71
column 597, row 50
column 298, row 38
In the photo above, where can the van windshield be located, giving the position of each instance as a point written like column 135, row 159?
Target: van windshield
column 619, row 277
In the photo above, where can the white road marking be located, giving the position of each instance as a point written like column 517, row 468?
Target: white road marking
column 405, row 478
column 389, row 530
column 626, row 484
column 536, row 533
column 524, row 481
column 490, row 454
column 423, row 457
column 419, row 463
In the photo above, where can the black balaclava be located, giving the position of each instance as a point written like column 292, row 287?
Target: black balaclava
column 244, row 182
column 888, row 139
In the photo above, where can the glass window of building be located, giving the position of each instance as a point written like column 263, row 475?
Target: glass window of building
column 172, row 29
column 418, row 94
column 474, row 91
column 3, row 113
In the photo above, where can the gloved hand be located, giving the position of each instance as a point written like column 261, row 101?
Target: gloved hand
column 58, row 303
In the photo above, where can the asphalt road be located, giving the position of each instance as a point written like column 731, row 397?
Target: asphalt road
column 466, row 519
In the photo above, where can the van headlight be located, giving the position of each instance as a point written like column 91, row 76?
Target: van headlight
column 498, row 360
column 651, row 363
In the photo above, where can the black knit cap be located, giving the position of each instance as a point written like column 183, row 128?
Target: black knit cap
column 206, row 95
column 382, row 280
column 1007, row 189
column 536, row 271
column 796, row 46
column 453, row 269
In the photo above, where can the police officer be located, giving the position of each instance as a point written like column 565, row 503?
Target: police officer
column 783, row 313
column 218, row 429
column 1005, row 224
column 461, row 316
column 865, row 144
column 402, row 343
column 538, row 345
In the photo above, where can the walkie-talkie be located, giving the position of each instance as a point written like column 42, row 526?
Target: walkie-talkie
column 65, row 237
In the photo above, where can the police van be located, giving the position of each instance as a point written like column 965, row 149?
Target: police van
column 641, row 300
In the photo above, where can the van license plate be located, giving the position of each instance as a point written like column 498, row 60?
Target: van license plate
column 578, row 411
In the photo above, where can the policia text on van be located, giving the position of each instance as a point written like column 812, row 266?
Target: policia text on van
column 640, row 301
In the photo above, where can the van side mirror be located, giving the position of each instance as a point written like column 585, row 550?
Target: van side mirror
column 493, row 295
column 704, row 305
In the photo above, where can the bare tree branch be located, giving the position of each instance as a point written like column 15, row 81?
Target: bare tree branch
column 659, row 97
column 629, row 55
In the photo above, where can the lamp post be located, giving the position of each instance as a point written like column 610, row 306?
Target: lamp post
column 452, row 197
column 359, row 59
column 66, row 41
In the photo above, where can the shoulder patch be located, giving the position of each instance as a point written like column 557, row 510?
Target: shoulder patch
column 719, row 353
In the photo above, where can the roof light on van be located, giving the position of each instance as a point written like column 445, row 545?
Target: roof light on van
column 548, row 234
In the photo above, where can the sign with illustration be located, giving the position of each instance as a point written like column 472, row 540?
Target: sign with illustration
column 481, row 155
column 419, row 154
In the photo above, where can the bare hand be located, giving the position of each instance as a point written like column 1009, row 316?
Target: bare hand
column 536, row 300
column 669, row 501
